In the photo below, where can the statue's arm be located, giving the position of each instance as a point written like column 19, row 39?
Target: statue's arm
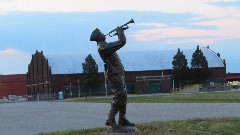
column 114, row 46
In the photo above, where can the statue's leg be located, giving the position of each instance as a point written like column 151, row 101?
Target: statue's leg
column 115, row 85
column 123, row 121
column 112, row 113
column 123, row 107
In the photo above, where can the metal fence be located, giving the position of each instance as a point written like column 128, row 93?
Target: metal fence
column 84, row 90
column 43, row 97
column 26, row 98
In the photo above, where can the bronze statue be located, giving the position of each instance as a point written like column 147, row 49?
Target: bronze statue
column 114, row 73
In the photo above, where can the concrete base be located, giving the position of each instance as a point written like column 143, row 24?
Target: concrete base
column 122, row 130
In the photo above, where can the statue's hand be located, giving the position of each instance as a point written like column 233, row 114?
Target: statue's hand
column 119, row 29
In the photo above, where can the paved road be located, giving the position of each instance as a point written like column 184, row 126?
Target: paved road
column 35, row 117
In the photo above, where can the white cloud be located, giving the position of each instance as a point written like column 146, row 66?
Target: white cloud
column 225, row 19
column 176, row 33
column 198, row 7
column 225, row 29
column 153, row 24
column 7, row 51
column 14, row 61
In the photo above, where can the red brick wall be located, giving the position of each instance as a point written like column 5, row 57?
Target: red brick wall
column 233, row 76
column 59, row 80
column 131, row 75
column 218, row 73
column 13, row 85
column 17, row 84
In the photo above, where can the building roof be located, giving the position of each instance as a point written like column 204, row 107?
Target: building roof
column 132, row 61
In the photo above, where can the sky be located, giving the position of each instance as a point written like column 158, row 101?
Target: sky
column 63, row 26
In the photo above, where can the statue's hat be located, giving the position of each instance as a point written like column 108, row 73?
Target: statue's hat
column 95, row 35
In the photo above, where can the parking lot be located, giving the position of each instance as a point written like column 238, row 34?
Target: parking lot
column 28, row 118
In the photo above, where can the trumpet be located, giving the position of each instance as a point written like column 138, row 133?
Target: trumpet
column 124, row 27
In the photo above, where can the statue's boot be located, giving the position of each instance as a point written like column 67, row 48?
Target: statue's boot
column 123, row 121
column 111, row 120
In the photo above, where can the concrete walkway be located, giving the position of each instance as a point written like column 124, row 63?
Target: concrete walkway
column 28, row 118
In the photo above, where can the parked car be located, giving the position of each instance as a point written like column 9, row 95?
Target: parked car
column 13, row 97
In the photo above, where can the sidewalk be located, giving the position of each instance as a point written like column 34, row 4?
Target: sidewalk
column 28, row 118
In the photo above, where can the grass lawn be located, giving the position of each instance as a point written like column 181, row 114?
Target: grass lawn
column 214, row 97
column 223, row 126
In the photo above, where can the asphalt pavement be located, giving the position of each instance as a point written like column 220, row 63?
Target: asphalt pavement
column 28, row 118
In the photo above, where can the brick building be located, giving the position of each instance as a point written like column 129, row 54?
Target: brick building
column 39, row 75
column 233, row 77
column 13, row 85
column 62, row 72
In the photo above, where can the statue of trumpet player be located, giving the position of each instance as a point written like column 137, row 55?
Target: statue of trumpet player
column 114, row 73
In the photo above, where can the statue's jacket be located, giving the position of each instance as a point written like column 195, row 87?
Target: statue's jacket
column 107, row 51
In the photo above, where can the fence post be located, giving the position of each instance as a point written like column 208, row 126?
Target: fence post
column 38, row 97
column 79, row 91
column 173, row 86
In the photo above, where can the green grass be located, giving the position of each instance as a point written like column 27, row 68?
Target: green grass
column 215, row 97
column 223, row 126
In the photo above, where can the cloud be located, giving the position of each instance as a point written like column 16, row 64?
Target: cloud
column 198, row 7
column 153, row 24
column 225, row 20
column 174, row 34
column 7, row 51
column 226, row 28
column 14, row 61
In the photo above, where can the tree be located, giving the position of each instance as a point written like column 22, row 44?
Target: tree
column 199, row 63
column 180, row 67
column 90, row 72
